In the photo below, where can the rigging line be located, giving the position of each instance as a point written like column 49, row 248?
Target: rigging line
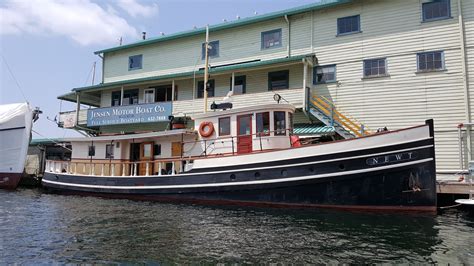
column 52, row 140
column 88, row 75
column 13, row 76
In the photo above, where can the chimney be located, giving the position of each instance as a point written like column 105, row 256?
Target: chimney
column 144, row 35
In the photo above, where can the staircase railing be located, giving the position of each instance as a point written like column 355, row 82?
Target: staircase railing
column 328, row 108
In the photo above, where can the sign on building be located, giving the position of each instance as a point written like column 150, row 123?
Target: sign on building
column 129, row 114
column 69, row 120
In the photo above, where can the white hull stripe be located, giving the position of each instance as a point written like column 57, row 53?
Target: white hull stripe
column 255, row 182
column 265, row 167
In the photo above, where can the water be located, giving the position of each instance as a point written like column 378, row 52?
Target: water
column 42, row 228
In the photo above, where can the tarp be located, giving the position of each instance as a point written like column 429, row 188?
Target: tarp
column 15, row 132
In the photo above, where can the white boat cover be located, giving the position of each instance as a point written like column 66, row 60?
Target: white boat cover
column 16, row 121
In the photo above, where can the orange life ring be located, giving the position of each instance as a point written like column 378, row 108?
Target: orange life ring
column 206, row 129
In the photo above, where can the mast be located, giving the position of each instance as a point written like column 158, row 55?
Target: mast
column 206, row 68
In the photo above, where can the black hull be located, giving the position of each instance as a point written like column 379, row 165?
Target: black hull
column 397, row 177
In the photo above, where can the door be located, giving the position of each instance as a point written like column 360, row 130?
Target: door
column 146, row 155
column 244, row 131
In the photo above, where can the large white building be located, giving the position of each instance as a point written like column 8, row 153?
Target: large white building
column 383, row 63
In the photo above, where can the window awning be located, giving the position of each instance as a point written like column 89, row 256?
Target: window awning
column 307, row 129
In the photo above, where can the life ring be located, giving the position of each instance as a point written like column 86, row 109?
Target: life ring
column 206, row 129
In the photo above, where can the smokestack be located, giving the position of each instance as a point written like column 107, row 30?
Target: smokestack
column 144, row 35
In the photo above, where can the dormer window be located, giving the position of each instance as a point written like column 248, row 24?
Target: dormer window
column 135, row 62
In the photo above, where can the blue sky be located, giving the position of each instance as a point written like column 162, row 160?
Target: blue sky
column 49, row 44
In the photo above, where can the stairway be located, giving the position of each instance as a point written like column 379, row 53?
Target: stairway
column 325, row 111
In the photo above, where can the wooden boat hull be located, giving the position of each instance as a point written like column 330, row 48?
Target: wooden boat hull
column 397, row 176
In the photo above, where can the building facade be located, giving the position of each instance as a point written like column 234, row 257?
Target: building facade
column 387, row 64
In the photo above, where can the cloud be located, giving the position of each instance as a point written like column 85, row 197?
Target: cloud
column 83, row 21
column 135, row 9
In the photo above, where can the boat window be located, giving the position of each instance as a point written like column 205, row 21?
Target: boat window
column 116, row 95
column 245, row 125
column 157, row 150
column 92, row 150
column 210, row 89
column 278, row 80
column 239, row 85
column 149, row 95
column 224, row 126
column 290, row 122
column 279, row 123
column 109, row 151
column 130, row 97
column 263, row 124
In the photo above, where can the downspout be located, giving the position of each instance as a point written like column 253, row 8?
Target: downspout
column 465, row 79
column 101, row 57
column 289, row 35
column 305, row 89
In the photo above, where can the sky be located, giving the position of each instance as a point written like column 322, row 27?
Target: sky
column 47, row 46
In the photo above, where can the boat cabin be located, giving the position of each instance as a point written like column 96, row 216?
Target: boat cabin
column 215, row 133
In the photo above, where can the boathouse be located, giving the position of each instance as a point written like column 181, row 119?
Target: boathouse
column 349, row 67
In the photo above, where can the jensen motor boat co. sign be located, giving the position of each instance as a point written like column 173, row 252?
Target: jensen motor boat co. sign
column 129, row 114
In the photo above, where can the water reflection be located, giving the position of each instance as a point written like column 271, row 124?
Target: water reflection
column 51, row 228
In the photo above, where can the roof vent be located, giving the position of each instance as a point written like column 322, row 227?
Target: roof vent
column 144, row 35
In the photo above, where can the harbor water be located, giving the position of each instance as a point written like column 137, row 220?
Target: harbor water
column 36, row 227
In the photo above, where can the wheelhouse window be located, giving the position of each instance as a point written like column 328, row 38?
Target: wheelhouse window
column 436, row 9
column 109, row 151
column 91, row 150
column 375, row 67
column 213, row 50
column 130, row 97
column 239, row 85
column 430, row 61
column 210, row 89
column 224, row 126
column 149, row 95
column 279, row 123
column 324, row 74
column 263, row 124
column 271, row 39
column 278, row 80
column 348, row 25
column 116, row 95
column 135, row 62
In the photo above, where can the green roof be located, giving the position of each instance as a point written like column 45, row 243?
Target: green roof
column 227, row 25
column 44, row 141
column 312, row 129
column 216, row 69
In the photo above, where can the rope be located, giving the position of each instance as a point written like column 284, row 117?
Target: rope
column 16, row 81
column 448, row 207
column 55, row 142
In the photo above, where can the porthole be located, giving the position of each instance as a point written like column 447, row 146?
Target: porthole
column 342, row 166
column 257, row 174
column 284, row 173
column 232, row 177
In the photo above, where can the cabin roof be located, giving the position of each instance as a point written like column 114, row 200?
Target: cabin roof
column 166, row 133
column 322, row 4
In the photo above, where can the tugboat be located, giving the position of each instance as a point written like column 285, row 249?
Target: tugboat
column 249, row 156
column 16, row 122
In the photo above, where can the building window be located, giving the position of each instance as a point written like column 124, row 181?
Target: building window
column 348, row 25
column 213, row 50
column 375, row 67
column 263, row 124
column 224, row 126
column 149, row 95
column 109, row 151
column 239, row 84
column 279, row 123
column 116, row 95
column 324, row 74
column 91, row 150
column 278, row 80
column 157, row 150
column 436, row 9
column 163, row 93
column 431, row 61
column 130, row 97
column 271, row 39
column 210, row 89
column 135, row 62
